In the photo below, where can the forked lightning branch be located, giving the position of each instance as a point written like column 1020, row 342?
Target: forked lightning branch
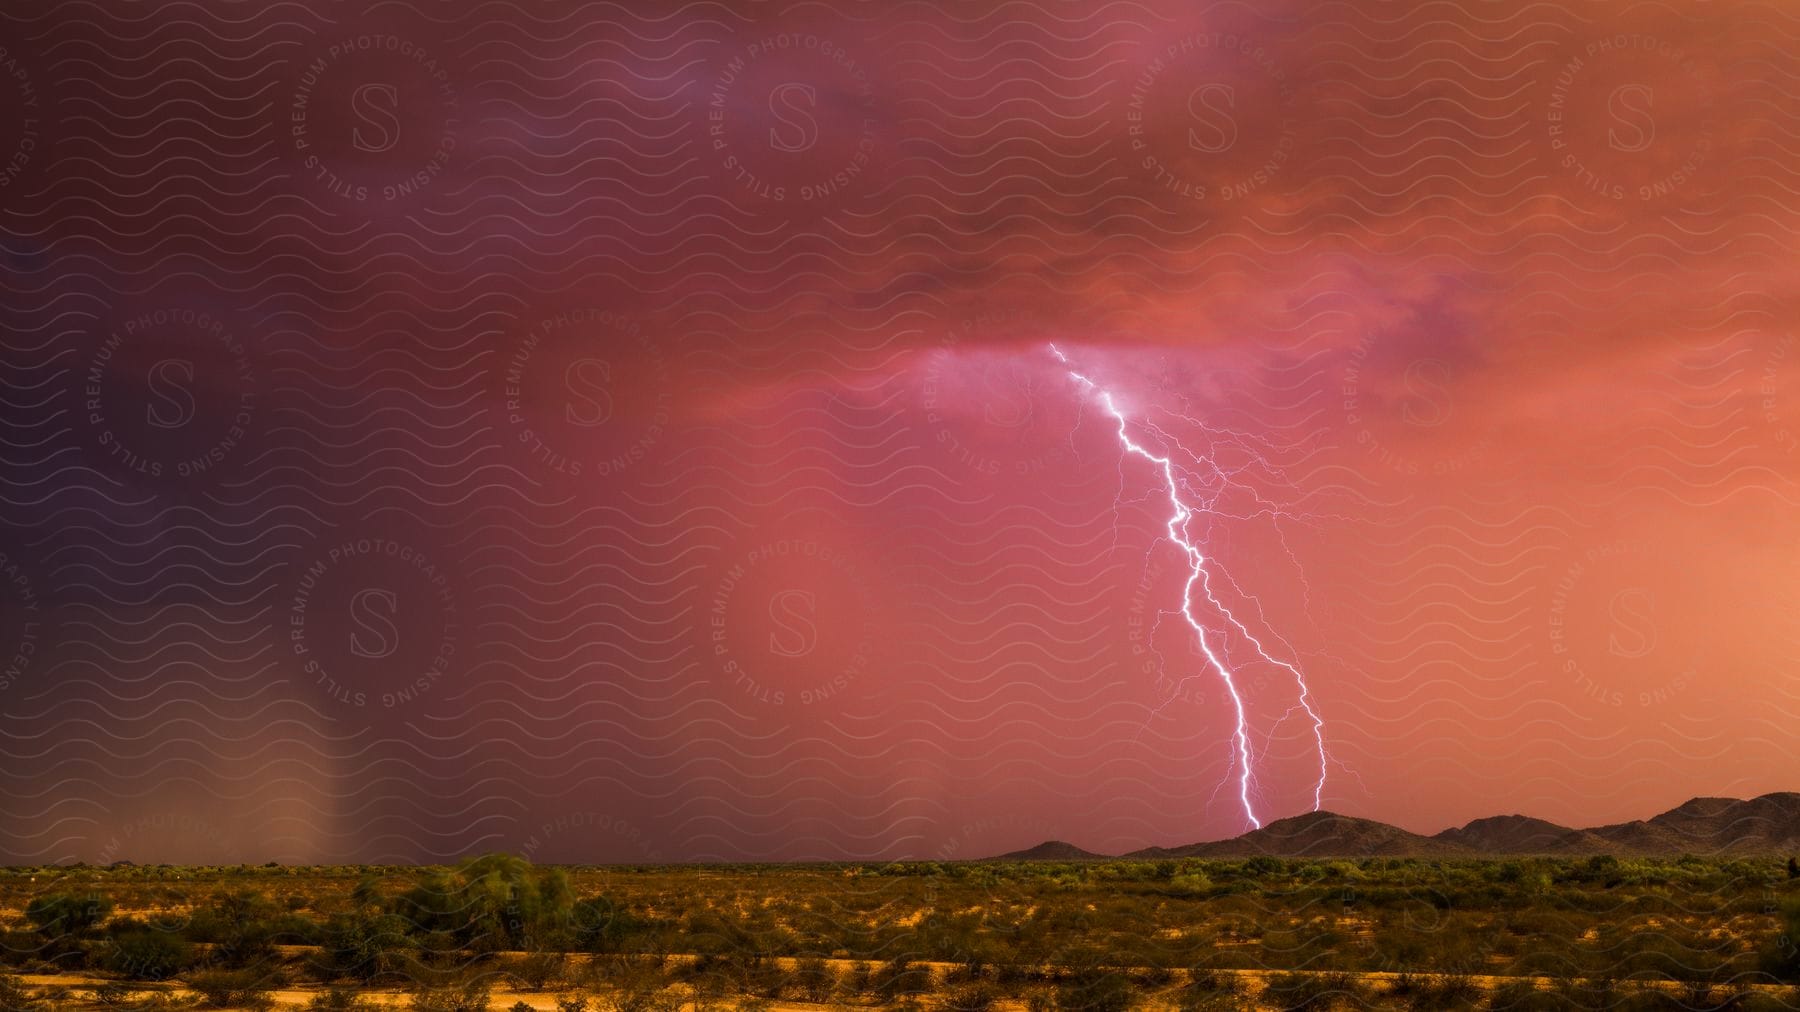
column 1172, row 476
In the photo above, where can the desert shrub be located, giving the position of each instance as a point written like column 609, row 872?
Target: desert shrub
column 489, row 903
column 753, row 975
column 1435, row 992
column 364, row 947
column 118, row 996
column 1040, row 1000
column 1758, row 1001
column 1781, row 957
column 471, row 996
column 1013, row 976
column 15, row 997
column 1597, row 994
column 1700, row 994
column 1095, row 989
column 239, row 925
column 1190, row 884
column 1208, row 990
column 1657, row 1000
column 1525, row 996
column 709, row 994
column 1263, row 866
column 1313, row 991
column 67, row 913
column 114, row 994
column 340, row 999
column 1152, row 978
column 814, row 980
column 367, row 891
column 1544, row 960
column 1211, row 981
column 19, row 947
column 765, row 978
column 573, row 1002
column 235, row 989
column 598, row 924
column 521, row 1006
column 641, row 992
column 144, row 952
column 949, row 937
column 970, row 966
column 1601, row 869
column 628, row 984
column 61, row 921
column 859, row 980
column 901, row 978
column 977, row 997
column 539, row 970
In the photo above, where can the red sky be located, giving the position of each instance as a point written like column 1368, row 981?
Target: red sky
column 631, row 433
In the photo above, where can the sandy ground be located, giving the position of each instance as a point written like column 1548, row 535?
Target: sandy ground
column 545, row 1001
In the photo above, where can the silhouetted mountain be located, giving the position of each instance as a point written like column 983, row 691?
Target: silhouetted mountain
column 1521, row 834
column 1319, row 834
column 1769, row 824
column 1766, row 825
column 1051, row 850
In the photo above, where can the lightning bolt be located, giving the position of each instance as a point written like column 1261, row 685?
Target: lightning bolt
column 1182, row 512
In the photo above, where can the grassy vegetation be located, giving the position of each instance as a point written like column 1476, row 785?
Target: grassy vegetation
column 973, row 937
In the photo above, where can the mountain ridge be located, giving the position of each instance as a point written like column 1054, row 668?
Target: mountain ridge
column 1766, row 824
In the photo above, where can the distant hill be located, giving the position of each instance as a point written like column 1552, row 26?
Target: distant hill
column 1318, row 834
column 1051, row 850
column 1521, row 834
column 1762, row 825
column 1766, row 825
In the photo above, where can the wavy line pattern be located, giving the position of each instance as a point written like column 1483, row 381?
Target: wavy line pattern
column 621, row 431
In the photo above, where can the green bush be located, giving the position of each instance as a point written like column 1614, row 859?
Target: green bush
column 365, row 947
column 1192, row 884
column 68, row 914
column 490, row 903
column 146, row 953
column 601, row 925
column 240, row 926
